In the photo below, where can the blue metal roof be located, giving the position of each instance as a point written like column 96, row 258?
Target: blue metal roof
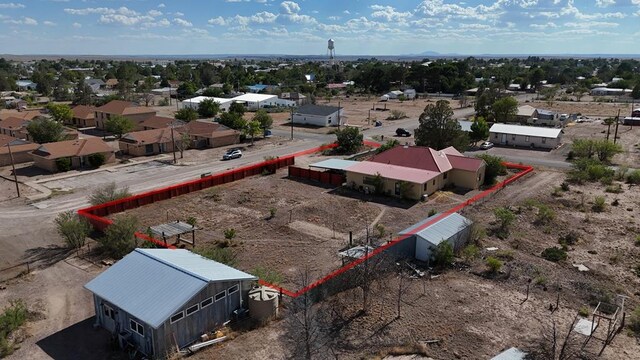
column 441, row 230
column 511, row 354
column 152, row 284
column 334, row 164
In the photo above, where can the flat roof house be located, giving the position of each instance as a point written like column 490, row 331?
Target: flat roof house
column 318, row 115
column 147, row 142
column 206, row 134
column 525, row 113
column 160, row 299
column 84, row 116
column 77, row 150
column 525, row 136
column 194, row 103
column 131, row 111
column 545, row 117
column 415, row 171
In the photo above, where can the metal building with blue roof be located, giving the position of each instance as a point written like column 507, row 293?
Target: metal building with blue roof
column 453, row 228
column 157, row 299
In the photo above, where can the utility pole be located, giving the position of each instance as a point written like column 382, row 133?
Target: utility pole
column 615, row 137
column 13, row 167
column 291, row 123
column 339, row 119
column 173, row 141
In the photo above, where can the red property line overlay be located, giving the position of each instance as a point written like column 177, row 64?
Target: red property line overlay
column 101, row 223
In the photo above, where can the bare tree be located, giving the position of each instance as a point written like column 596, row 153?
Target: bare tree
column 551, row 345
column 183, row 143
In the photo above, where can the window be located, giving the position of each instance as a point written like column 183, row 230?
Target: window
column 108, row 312
column 190, row 310
column 136, row 327
column 544, row 140
column 148, row 149
column 434, row 182
column 425, row 186
column 513, row 137
column 444, row 176
column 368, row 180
column 495, row 136
column 220, row 296
column 526, row 138
column 206, row 302
column 233, row 289
column 176, row 317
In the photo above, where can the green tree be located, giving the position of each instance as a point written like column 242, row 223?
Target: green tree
column 213, row 92
column 635, row 93
column 82, row 94
column 118, row 125
column 505, row 109
column 63, row 164
column 390, row 144
column 60, row 112
column 42, row 130
column 252, row 129
column 443, row 254
column 494, row 167
column 479, row 130
column 186, row 89
column 438, row 129
column 606, row 150
column 233, row 120
column 349, row 140
column 119, row 239
column 263, row 117
column 107, row 193
column 237, row 108
column 96, row 160
column 72, row 228
column 505, row 218
column 186, row 114
column 208, row 108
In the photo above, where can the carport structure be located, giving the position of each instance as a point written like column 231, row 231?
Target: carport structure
column 177, row 229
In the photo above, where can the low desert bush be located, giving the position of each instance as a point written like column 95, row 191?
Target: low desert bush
column 493, row 265
column 554, row 254
column 599, row 204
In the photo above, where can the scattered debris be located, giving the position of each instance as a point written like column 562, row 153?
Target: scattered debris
column 581, row 267
column 492, row 249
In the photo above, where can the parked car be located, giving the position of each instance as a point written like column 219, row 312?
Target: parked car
column 486, row 145
column 402, row 132
column 232, row 154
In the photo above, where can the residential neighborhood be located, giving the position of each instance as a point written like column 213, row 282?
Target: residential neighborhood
column 315, row 207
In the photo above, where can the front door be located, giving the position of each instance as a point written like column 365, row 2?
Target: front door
column 109, row 318
column 504, row 139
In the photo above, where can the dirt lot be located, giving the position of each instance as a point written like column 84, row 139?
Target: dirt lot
column 475, row 316
column 586, row 108
column 628, row 138
column 311, row 224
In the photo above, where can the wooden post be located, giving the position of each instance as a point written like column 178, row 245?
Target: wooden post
column 13, row 168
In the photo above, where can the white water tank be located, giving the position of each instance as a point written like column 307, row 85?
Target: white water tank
column 263, row 303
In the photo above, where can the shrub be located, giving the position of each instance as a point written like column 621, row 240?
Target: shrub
column 72, row 228
column 108, row 192
column 381, row 230
column 396, row 115
column 119, row 239
column 12, row 318
column 349, row 140
column 443, row 254
column 63, row 164
column 584, row 311
column 637, row 242
column 599, row 204
column 390, row 144
column 470, row 252
column 272, row 212
column 634, row 321
column 545, row 214
column 269, row 275
column 564, row 186
column 192, row 221
column 554, row 254
column 495, row 167
column 230, row 233
column 494, row 265
column 505, row 218
column 570, row 238
column 634, row 177
column 96, row 160
column 432, row 212
column 540, row 280
column 557, row 192
column 614, row 189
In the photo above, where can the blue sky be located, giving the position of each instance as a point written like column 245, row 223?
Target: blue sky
column 376, row 27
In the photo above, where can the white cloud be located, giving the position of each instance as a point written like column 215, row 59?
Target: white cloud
column 592, row 24
column 24, row 21
column 182, row 22
column 548, row 25
column 219, row 21
column 346, row 12
column 179, row 14
column 289, row 7
column 264, row 17
column 605, row 3
column 261, row 1
column 102, row 11
column 76, row 25
column 124, row 19
column 334, row 18
column 389, row 14
column 49, row 23
column 11, row 6
column 161, row 5
column 154, row 13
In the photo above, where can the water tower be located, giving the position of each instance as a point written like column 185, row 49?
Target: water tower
column 331, row 50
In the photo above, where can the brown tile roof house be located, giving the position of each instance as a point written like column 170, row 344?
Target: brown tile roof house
column 148, row 142
column 423, row 169
column 77, row 150
column 123, row 108
column 84, row 116
column 158, row 122
column 111, row 83
column 26, row 115
column 15, row 127
column 209, row 134
column 20, row 149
